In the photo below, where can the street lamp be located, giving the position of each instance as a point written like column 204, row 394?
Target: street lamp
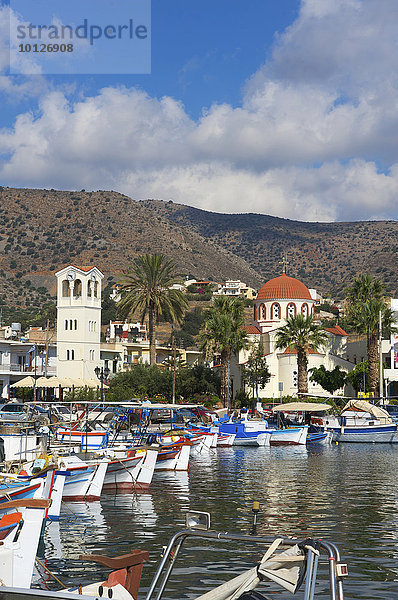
column 102, row 374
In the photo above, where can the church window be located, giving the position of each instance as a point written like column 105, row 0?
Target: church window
column 70, row 324
column 95, row 289
column 291, row 310
column 295, row 375
column 254, row 313
column 262, row 312
column 67, row 355
column 276, row 311
column 304, row 310
column 72, row 353
column 89, row 289
column 66, row 324
column 75, row 323
column 65, row 288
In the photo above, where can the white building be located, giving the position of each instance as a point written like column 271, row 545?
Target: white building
column 78, row 321
column 18, row 359
column 235, row 288
column 119, row 331
column 277, row 300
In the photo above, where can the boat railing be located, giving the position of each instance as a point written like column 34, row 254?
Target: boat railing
column 337, row 570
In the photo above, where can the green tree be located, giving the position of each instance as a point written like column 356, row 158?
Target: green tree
column 365, row 300
column 359, row 377
column 256, row 372
column 329, row 380
column 109, row 307
column 146, row 290
column 300, row 334
column 223, row 333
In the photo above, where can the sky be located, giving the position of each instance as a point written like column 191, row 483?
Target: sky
column 280, row 107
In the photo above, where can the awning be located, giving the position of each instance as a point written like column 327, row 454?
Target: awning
column 302, row 407
column 25, row 382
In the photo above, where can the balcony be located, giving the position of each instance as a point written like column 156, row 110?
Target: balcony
column 16, row 368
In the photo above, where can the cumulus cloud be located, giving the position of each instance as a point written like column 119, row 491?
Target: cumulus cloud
column 314, row 137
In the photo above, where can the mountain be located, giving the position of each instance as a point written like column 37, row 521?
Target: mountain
column 324, row 256
column 43, row 230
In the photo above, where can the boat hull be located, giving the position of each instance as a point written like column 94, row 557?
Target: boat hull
column 378, row 434
column 292, row 436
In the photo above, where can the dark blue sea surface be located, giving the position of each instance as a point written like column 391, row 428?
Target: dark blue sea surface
column 344, row 493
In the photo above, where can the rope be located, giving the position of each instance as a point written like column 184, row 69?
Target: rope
column 50, row 573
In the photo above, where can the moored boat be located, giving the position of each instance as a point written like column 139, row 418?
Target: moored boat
column 362, row 422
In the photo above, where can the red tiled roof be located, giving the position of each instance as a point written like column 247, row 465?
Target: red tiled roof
column 293, row 351
column 85, row 269
column 251, row 329
column 284, row 287
column 336, row 330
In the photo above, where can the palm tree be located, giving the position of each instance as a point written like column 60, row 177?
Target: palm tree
column 365, row 300
column 146, row 290
column 301, row 333
column 223, row 333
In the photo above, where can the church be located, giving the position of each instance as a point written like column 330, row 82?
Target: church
column 277, row 300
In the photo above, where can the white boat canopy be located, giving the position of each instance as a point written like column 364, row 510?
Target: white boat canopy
column 302, row 407
column 376, row 411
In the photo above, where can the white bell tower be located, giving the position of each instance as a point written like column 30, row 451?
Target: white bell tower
column 78, row 321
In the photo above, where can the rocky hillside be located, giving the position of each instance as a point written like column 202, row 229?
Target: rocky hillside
column 43, row 230
column 324, row 255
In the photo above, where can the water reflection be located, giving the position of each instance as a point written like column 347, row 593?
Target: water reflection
column 346, row 493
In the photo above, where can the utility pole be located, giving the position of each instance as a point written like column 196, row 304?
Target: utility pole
column 47, row 343
column 174, row 369
column 34, row 387
column 380, row 360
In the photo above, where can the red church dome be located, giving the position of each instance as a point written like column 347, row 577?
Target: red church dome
column 284, row 287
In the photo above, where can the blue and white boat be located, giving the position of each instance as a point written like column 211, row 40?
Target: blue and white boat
column 248, row 432
column 362, row 422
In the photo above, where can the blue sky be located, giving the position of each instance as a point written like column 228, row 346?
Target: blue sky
column 285, row 107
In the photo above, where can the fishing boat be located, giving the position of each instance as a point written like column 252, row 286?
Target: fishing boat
column 294, row 424
column 128, row 470
column 362, row 422
column 174, row 457
column 290, row 436
column 247, row 432
column 82, row 481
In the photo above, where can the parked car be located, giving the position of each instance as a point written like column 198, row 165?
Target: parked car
column 13, row 411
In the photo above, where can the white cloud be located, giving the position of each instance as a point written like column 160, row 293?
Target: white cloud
column 314, row 138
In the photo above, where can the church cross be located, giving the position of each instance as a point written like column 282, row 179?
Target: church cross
column 284, row 262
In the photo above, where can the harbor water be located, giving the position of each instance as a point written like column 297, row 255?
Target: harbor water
column 347, row 494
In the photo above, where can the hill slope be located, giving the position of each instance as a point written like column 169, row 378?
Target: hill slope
column 43, row 230
column 324, row 255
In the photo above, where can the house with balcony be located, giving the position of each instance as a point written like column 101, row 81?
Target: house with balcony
column 235, row 288
column 21, row 358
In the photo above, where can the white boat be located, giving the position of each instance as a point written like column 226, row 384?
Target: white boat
column 225, row 439
column 291, row 436
column 82, row 482
column 132, row 470
column 174, row 458
column 248, row 432
column 362, row 422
